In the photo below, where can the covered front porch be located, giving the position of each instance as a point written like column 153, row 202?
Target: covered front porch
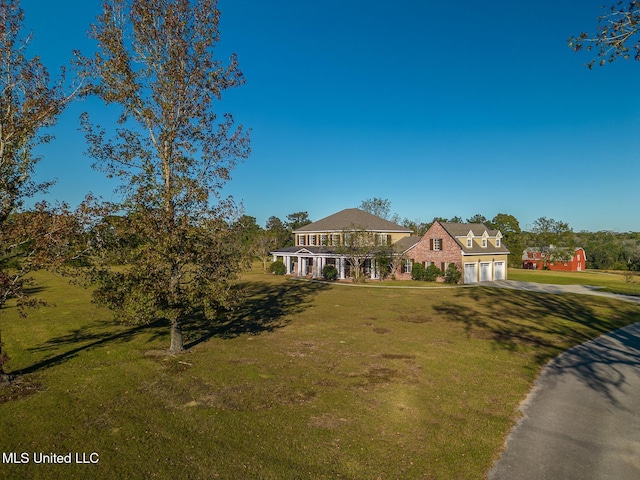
column 309, row 262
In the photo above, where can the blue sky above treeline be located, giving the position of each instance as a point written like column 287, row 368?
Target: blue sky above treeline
column 444, row 108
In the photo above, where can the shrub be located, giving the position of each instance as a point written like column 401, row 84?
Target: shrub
column 431, row 273
column 417, row 271
column 278, row 267
column 453, row 274
column 330, row 273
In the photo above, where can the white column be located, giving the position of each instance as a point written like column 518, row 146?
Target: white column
column 287, row 262
column 374, row 269
column 299, row 273
column 340, row 262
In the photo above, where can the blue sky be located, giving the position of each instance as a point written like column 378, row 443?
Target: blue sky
column 444, row 108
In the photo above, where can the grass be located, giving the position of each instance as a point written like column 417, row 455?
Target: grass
column 304, row 380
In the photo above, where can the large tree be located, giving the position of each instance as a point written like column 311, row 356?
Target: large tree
column 30, row 101
column 553, row 238
column 380, row 207
column 616, row 35
column 155, row 60
column 279, row 230
column 512, row 236
column 296, row 220
column 359, row 245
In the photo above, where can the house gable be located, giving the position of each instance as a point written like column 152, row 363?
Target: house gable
column 437, row 247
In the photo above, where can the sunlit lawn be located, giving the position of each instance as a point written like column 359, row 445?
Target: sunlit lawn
column 303, row 380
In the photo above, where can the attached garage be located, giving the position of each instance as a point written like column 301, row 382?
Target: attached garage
column 477, row 250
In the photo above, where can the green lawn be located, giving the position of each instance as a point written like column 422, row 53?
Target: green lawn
column 304, row 380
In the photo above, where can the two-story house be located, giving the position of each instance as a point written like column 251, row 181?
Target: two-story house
column 476, row 250
column 327, row 242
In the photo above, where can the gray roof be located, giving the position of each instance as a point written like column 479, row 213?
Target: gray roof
column 478, row 229
column 462, row 229
column 406, row 243
column 351, row 218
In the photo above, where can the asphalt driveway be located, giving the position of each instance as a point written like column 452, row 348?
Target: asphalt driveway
column 582, row 419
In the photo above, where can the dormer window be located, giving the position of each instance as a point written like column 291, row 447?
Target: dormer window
column 469, row 242
column 484, row 243
column 498, row 240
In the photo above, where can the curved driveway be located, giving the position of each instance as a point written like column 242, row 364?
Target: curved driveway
column 582, row 419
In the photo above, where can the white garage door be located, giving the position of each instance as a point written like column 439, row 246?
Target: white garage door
column 499, row 271
column 470, row 272
column 485, row 272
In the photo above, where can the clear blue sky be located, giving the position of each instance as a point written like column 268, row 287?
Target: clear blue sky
column 444, row 108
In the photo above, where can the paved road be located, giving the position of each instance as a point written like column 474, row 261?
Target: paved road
column 547, row 288
column 582, row 419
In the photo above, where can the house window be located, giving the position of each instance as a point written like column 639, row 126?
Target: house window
column 484, row 243
column 301, row 239
column 497, row 242
column 383, row 239
column 312, row 239
column 407, row 266
column 469, row 242
column 436, row 244
column 323, row 239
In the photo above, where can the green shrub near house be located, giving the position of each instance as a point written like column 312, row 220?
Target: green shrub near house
column 330, row 273
column 452, row 274
column 431, row 273
column 417, row 271
column 278, row 268
column 428, row 274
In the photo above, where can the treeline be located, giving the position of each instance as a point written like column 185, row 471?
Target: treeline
column 608, row 250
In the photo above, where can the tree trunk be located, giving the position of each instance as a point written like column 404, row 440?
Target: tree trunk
column 177, row 342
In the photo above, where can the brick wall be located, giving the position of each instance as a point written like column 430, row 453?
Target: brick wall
column 422, row 252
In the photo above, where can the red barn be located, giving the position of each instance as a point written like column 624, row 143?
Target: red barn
column 534, row 259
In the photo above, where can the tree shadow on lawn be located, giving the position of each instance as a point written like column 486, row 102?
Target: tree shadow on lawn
column 551, row 324
column 86, row 337
column 265, row 308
